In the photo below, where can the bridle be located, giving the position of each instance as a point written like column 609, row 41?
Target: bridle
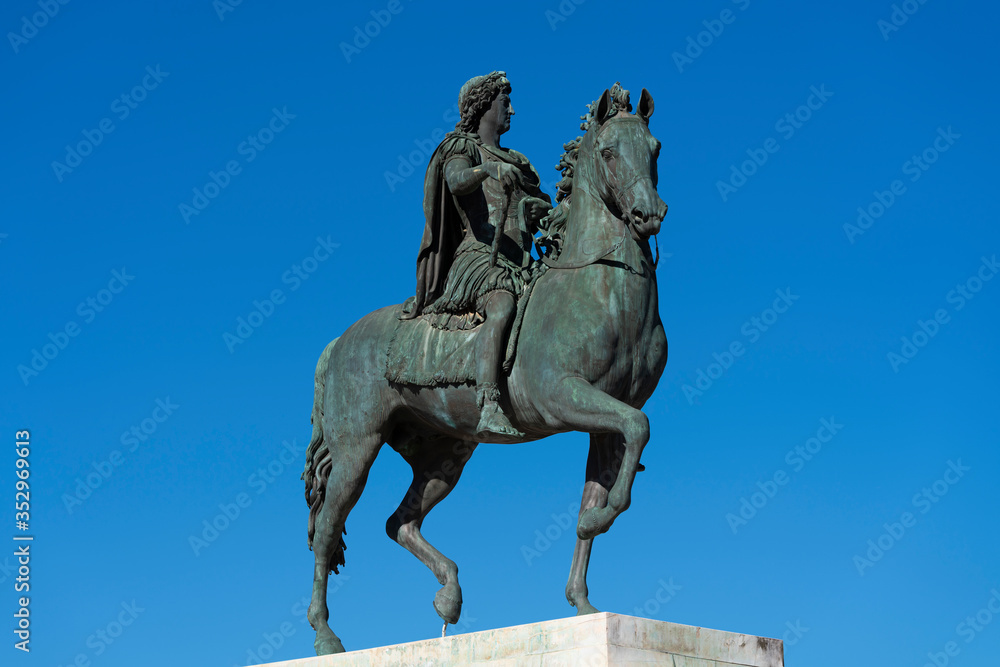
column 627, row 225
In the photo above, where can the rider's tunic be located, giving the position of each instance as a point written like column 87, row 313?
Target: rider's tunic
column 471, row 277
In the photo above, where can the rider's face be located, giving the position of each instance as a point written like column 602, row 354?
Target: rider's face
column 501, row 111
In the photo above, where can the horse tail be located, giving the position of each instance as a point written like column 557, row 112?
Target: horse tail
column 318, row 460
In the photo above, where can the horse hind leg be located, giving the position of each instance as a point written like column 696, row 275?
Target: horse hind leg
column 436, row 469
column 349, row 465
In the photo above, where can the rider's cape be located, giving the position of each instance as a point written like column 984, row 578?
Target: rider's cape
column 443, row 228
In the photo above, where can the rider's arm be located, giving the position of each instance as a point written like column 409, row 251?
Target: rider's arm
column 464, row 177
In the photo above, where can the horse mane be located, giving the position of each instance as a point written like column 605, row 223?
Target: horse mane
column 555, row 221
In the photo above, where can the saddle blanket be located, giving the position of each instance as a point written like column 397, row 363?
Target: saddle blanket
column 424, row 355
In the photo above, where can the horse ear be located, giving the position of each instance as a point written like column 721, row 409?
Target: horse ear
column 645, row 106
column 604, row 106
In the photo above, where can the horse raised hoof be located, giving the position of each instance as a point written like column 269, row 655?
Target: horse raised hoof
column 328, row 643
column 448, row 603
column 494, row 425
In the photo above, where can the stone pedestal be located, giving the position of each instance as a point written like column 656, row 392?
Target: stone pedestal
column 595, row 640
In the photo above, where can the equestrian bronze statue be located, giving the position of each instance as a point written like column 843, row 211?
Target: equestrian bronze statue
column 497, row 346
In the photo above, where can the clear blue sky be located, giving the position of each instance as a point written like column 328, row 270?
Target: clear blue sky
column 305, row 138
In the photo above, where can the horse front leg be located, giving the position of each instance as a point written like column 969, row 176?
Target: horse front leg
column 580, row 406
column 603, row 462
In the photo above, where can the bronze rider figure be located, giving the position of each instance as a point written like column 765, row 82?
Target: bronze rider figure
column 472, row 188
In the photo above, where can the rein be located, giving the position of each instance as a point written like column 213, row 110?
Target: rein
column 554, row 264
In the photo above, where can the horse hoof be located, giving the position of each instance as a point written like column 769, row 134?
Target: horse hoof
column 448, row 606
column 578, row 599
column 328, row 645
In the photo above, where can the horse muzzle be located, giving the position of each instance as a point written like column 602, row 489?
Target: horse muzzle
column 646, row 220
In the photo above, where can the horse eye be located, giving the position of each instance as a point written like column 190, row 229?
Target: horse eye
column 607, row 154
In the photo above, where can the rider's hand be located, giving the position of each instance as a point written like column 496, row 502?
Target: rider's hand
column 503, row 172
column 535, row 209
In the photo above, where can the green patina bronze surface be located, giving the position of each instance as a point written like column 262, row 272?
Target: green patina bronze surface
column 497, row 347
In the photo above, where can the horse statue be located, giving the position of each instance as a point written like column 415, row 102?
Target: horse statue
column 590, row 351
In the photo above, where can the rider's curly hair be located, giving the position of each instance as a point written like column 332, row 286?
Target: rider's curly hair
column 477, row 95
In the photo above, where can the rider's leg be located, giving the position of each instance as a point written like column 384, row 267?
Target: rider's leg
column 499, row 310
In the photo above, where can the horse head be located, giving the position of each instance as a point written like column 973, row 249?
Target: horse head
column 622, row 161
